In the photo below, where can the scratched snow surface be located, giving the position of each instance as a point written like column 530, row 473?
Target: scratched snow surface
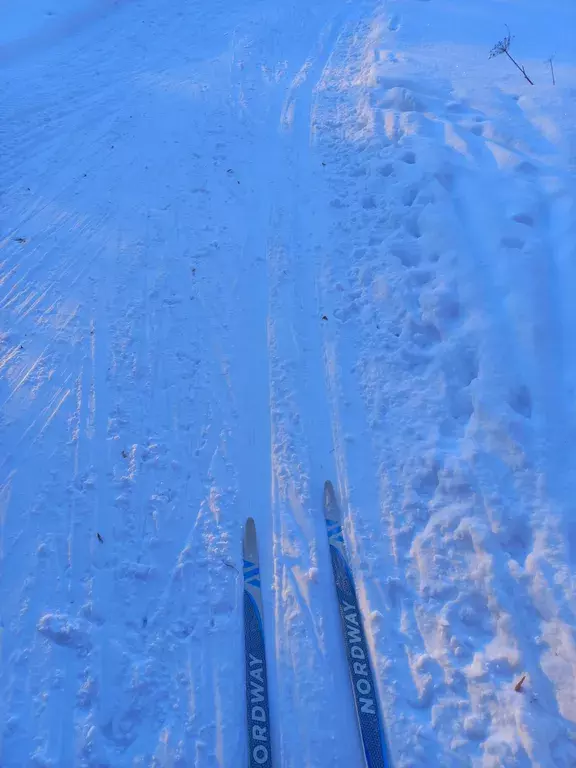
column 245, row 247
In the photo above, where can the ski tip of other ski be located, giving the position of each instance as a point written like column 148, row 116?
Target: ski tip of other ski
column 250, row 529
column 250, row 546
column 330, row 504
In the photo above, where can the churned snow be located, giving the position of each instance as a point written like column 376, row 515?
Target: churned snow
column 247, row 246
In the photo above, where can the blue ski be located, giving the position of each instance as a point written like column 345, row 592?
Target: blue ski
column 258, row 713
column 361, row 678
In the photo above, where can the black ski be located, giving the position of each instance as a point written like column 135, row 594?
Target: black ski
column 357, row 653
column 258, row 712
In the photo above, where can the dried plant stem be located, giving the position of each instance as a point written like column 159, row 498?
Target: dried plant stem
column 521, row 68
column 503, row 46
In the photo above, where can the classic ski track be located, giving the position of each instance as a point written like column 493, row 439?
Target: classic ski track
column 308, row 635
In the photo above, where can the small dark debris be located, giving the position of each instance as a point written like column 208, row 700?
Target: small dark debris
column 124, row 455
column 144, row 622
column 21, row 240
column 21, row 346
column 518, row 686
column 100, row 539
column 324, row 164
column 324, row 317
column 229, row 170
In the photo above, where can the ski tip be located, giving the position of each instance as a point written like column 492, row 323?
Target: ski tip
column 250, row 547
column 330, row 505
column 250, row 528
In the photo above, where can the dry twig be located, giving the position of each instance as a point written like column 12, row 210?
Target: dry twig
column 551, row 62
column 518, row 686
column 503, row 46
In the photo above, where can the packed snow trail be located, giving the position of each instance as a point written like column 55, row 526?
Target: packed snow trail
column 247, row 247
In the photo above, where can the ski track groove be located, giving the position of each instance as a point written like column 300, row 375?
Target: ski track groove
column 302, row 610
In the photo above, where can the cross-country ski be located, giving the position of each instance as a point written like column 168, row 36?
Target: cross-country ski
column 257, row 709
column 357, row 651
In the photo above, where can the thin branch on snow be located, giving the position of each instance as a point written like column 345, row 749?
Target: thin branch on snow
column 551, row 62
column 503, row 46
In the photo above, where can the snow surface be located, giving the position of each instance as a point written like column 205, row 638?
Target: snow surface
column 248, row 245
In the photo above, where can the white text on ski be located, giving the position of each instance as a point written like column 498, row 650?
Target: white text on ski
column 360, row 665
column 260, row 752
